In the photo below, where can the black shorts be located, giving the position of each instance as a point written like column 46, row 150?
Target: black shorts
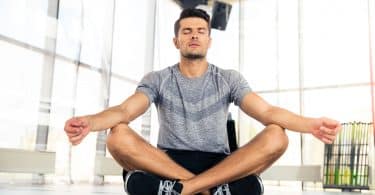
column 198, row 162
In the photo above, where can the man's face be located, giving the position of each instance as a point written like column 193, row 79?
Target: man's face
column 193, row 39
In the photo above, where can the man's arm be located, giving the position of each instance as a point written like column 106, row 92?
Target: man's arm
column 126, row 112
column 323, row 128
column 78, row 127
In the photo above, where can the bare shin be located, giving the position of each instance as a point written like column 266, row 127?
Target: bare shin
column 132, row 152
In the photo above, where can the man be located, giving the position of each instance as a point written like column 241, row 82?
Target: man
column 192, row 99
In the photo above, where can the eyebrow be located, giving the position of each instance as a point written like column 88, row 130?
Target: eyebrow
column 190, row 29
column 186, row 28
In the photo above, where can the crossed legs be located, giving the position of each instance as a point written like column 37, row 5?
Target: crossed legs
column 132, row 152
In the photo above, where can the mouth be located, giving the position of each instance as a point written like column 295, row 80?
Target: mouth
column 194, row 45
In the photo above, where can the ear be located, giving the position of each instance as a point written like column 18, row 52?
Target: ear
column 209, row 42
column 176, row 44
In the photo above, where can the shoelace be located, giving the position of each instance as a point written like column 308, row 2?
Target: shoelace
column 221, row 189
column 166, row 188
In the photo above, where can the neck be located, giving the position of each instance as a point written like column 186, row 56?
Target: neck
column 193, row 68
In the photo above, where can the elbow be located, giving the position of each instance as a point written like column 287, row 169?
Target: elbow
column 273, row 116
column 267, row 118
column 125, row 116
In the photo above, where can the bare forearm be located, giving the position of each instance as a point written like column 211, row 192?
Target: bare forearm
column 287, row 119
column 323, row 128
column 107, row 118
column 130, row 109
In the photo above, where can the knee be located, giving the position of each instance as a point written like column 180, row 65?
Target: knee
column 121, row 140
column 277, row 141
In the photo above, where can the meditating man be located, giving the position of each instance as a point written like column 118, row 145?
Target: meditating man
column 192, row 98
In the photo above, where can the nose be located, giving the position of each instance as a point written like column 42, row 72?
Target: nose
column 194, row 36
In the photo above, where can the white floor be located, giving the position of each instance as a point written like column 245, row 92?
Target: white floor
column 23, row 189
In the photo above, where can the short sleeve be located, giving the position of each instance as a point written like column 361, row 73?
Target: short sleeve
column 149, row 85
column 238, row 87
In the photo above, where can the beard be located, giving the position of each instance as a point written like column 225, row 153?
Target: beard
column 193, row 56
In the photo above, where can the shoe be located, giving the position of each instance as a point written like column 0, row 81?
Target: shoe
column 221, row 190
column 142, row 183
column 250, row 185
column 167, row 187
column 259, row 188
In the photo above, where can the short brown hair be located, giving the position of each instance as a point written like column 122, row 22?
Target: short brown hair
column 192, row 12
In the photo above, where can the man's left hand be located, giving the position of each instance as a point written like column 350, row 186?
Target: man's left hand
column 325, row 129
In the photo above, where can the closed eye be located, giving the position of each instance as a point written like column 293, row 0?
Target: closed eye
column 202, row 30
column 186, row 31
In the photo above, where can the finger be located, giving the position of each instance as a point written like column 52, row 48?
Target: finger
column 330, row 137
column 319, row 135
column 74, row 133
column 71, row 121
column 76, row 142
column 325, row 130
column 326, row 141
column 330, row 123
column 76, row 122
column 73, row 130
column 69, row 127
column 76, row 139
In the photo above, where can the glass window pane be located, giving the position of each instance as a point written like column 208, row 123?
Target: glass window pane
column 260, row 62
column 97, row 15
column 20, row 81
column 166, row 53
column 287, row 44
column 83, row 30
column 132, row 38
column 70, row 27
column 344, row 104
column 335, row 42
column 26, row 21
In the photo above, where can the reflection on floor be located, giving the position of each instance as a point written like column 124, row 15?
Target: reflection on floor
column 117, row 189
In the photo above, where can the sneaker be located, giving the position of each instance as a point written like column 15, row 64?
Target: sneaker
column 250, row 185
column 142, row 183
column 221, row 190
column 259, row 185
column 167, row 187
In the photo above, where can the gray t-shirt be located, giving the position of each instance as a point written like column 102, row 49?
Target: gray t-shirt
column 193, row 112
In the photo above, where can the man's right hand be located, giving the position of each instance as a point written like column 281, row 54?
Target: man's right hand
column 76, row 129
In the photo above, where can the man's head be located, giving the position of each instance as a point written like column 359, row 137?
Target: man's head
column 192, row 33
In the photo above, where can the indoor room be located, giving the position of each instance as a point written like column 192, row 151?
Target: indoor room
column 291, row 83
